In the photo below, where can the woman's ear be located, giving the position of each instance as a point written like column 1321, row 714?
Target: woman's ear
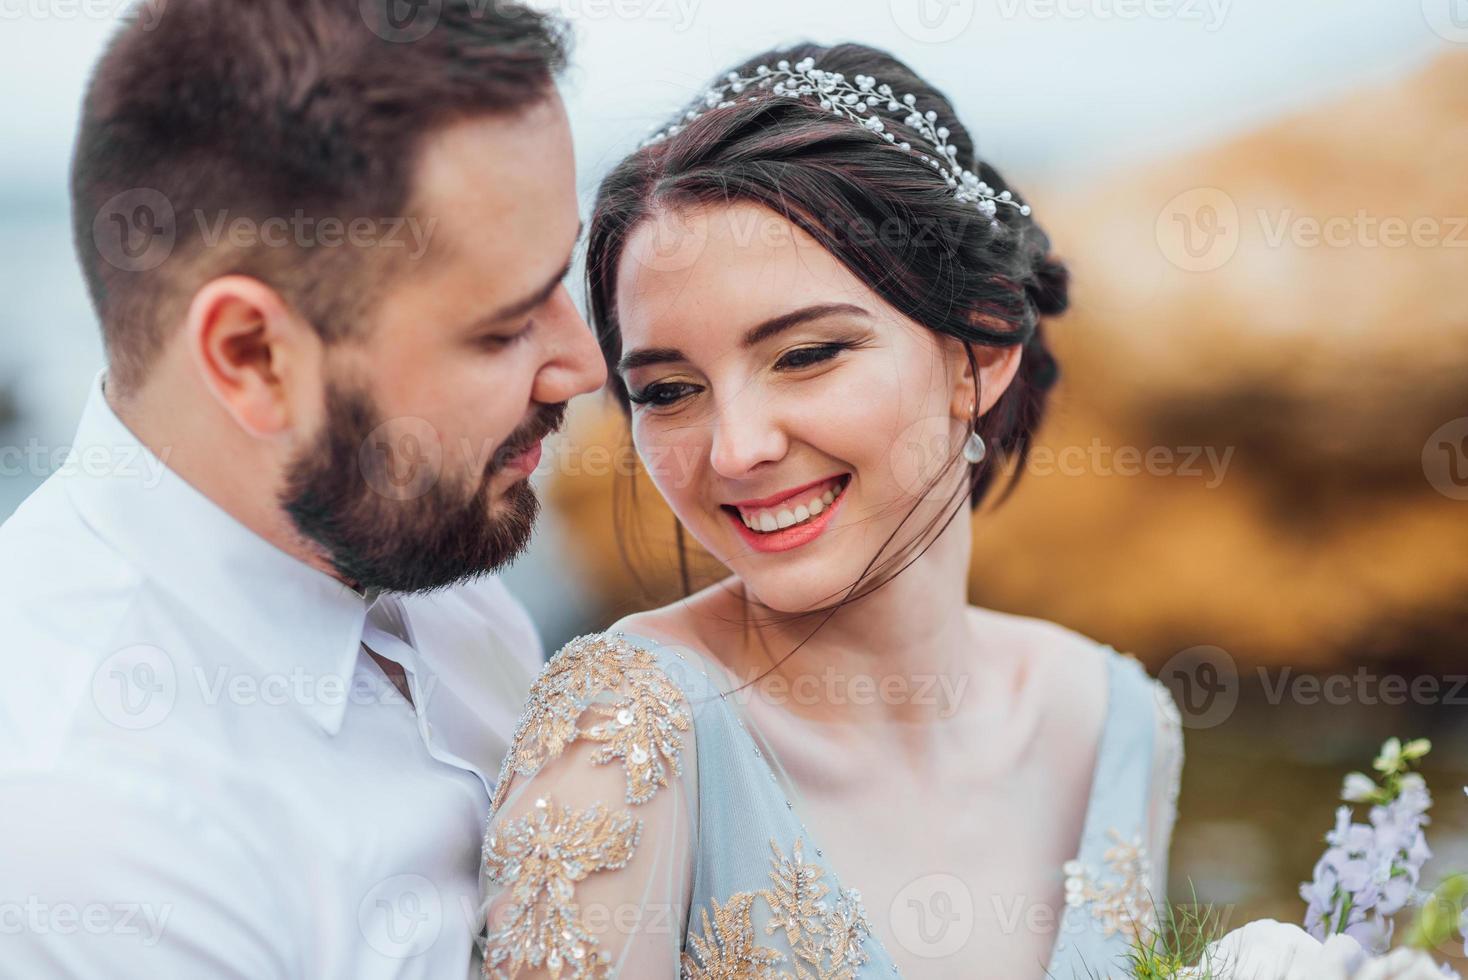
column 996, row 367
column 253, row 352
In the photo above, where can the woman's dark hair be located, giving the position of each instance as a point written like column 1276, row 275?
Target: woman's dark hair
column 880, row 210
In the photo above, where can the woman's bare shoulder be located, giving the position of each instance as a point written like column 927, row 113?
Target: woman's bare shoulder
column 685, row 622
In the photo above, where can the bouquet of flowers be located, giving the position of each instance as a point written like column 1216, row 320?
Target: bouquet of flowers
column 1369, row 873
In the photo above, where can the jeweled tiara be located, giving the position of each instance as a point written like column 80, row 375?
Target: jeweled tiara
column 861, row 100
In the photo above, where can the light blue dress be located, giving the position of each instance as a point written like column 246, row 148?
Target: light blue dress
column 748, row 887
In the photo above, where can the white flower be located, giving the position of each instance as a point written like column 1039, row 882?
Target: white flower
column 1358, row 788
column 1400, row 964
column 1271, row 950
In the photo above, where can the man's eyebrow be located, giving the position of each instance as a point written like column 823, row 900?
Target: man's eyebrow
column 521, row 307
column 648, row 356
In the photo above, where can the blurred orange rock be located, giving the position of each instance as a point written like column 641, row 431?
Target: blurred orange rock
column 1264, row 336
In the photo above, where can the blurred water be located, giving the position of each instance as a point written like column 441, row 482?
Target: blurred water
column 1260, row 791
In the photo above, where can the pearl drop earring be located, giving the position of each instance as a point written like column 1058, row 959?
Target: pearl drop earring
column 974, row 449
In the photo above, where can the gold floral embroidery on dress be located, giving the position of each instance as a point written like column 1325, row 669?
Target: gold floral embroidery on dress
column 826, row 940
column 541, row 857
column 643, row 726
column 1121, row 899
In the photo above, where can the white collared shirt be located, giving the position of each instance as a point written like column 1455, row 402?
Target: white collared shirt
column 203, row 773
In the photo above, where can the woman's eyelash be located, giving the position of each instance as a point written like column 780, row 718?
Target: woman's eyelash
column 800, row 357
column 664, row 394
column 661, row 394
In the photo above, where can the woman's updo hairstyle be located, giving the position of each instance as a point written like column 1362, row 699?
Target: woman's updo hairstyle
column 880, row 210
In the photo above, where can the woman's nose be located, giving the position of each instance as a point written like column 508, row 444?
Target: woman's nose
column 746, row 434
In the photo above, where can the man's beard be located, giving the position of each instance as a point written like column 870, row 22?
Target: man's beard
column 340, row 494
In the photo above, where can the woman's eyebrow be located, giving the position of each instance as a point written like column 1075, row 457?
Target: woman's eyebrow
column 777, row 325
column 647, row 356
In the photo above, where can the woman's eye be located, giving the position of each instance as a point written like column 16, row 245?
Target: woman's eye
column 803, row 357
column 663, row 394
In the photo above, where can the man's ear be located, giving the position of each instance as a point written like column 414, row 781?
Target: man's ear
column 997, row 367
column 256, row 355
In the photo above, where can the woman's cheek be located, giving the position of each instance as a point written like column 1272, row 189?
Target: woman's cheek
column 670, row 454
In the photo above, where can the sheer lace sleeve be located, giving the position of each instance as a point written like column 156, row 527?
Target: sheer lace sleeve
column 588, row 851
column 1167, row 769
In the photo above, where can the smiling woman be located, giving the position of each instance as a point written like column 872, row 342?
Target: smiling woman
column 823, row 317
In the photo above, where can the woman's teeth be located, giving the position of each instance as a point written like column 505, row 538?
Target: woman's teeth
column 779, row 518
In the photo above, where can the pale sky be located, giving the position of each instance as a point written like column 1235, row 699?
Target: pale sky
column 1052, row 87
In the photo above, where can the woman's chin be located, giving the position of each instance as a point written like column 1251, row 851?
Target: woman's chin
column 791, row 592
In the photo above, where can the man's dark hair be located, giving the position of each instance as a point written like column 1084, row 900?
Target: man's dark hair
column 210, row 111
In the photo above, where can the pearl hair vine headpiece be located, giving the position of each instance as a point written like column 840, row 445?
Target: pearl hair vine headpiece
column 859, row 100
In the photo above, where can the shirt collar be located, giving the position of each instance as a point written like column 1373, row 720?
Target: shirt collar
column 280, row 612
